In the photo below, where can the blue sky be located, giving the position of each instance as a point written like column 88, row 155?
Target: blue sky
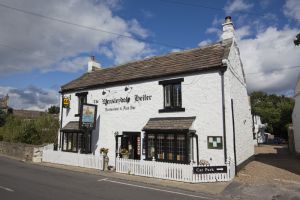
column 39, row 51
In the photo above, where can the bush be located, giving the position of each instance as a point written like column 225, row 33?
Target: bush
column 34, row 131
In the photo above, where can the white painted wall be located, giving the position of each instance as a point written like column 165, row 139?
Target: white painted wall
column 236, row 90
column 201, row 97
column 296, row 117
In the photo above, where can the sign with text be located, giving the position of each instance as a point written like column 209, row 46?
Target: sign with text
column 88, row 116
column 210, row 169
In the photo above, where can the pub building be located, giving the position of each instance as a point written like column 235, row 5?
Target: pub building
column 184, row 107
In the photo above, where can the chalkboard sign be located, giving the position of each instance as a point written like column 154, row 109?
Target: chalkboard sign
column 210, row 169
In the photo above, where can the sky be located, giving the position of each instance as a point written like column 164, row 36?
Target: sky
column 45, row 44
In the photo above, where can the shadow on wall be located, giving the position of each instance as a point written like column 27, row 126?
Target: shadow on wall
column 280, row 157
column 95, row 136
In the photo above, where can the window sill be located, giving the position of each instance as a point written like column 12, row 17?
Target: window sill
column 165, row 110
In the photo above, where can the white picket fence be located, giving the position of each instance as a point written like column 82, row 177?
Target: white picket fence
column 73, row 159
column 171, row 171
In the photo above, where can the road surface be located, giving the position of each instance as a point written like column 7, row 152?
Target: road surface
column 22, row 181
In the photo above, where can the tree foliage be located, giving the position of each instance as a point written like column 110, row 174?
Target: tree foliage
column 2, row 117
column 274, row 110
column 53, row 110
column 31, row 131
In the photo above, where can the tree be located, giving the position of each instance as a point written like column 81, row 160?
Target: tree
column 274, row 110
column 53, row 110
column 2, row 118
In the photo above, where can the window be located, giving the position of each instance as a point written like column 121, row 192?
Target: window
column 75, row 141
column 82, row 98
column 180, row 148
column 167, row 147
column 151, row 147
column 172, row 95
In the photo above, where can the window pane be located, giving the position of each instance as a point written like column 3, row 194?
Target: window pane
column 160, row 146
column 151, row 150
column 81, row 100
column 180, row 148
column 167, row 93
column 74, row 142
column 170, row 146
column 177, row 95
column 69, row 147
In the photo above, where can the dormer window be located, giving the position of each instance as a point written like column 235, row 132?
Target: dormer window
column 172, row 95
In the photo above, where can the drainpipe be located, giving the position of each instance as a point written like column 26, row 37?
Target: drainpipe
column 61, row 119
column 223, row 108
column 234, row 143
column 197, row 146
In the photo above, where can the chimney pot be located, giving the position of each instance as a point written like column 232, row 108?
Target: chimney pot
column 93, row 64
column 228, row 29
column 227, row 19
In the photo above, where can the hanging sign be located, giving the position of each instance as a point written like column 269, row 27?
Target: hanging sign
column 88, row 116
column 210, row 169
column 66, row 102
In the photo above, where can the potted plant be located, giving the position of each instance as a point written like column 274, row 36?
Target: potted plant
column 124, row 152
column 104, row 151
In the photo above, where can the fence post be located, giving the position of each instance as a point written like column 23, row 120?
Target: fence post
column 153, row 167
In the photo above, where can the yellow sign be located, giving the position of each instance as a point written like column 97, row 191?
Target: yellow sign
column 66, row 102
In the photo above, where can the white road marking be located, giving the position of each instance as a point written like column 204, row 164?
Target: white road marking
column 151, row 188
column 104, row 179
column 6, row 188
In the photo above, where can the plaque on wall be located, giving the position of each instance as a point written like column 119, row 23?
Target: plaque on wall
column 214, row 142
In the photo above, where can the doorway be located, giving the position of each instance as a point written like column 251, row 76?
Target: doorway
column 130, row 145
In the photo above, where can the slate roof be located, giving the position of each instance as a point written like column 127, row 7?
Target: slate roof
column 71, row 126
column 170, row 123
column 190, row 61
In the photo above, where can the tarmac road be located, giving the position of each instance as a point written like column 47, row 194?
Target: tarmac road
column 22, row 181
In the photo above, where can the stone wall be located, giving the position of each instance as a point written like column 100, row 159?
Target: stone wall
column 21, row 151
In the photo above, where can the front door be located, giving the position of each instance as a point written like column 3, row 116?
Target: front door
column 131, row 145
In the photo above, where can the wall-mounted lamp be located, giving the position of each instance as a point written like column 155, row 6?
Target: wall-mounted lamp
column 116, row 133
column 105, row 91
column 127, row 88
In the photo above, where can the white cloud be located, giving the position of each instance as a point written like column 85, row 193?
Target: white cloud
column 204, row 42
column 292, row 9
column 237, row 6
column 30, row 98
column 266, row 55
column 35, row 43
column 243, row 32
column 127, row 49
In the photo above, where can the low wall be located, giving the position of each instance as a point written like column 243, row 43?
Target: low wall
column 22, row 151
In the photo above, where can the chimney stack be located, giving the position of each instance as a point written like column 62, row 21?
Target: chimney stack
column 93, row 64
column 228, row 29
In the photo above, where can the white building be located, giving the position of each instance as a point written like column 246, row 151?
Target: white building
column 181, row 108
column 260, row 136
column 296, row 117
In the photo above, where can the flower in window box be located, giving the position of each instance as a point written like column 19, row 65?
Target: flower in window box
column 124, row 151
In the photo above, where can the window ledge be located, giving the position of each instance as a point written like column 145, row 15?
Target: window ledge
column 165, row 110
